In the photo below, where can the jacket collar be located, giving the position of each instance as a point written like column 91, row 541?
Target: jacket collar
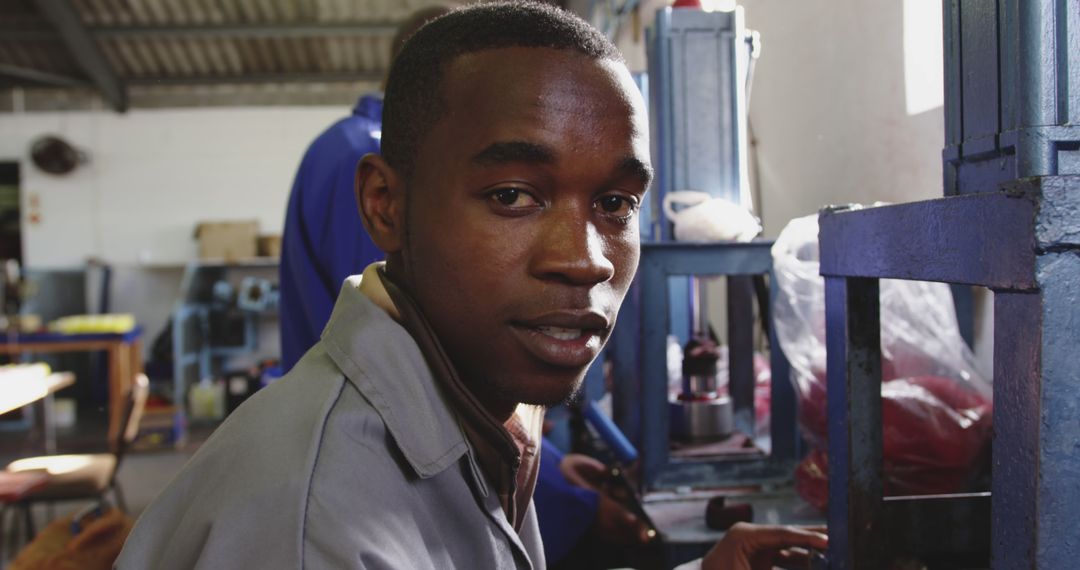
column 507, row 453
column 382, row 360
column 379, row 356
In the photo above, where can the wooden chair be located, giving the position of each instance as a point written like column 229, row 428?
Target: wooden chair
column 88, row 476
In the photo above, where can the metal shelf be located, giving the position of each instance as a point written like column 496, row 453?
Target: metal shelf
column 194, row 354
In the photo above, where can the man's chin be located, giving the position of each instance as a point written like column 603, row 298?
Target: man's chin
column 563, row 393
column 539, row 388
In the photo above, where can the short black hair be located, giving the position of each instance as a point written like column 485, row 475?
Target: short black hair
column 408, row 27
column 414, row 101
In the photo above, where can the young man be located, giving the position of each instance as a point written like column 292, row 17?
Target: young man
column 324, row 243
column 514, row 157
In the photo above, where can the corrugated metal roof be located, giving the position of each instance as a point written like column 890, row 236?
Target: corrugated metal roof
column 47, row 55
column 222, row 12
column 159, row 43
column 179, row 59
column 20, row 14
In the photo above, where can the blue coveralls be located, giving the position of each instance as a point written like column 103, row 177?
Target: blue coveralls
column 324, row 241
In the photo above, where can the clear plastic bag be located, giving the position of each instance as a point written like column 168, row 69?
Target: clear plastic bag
column 936, row 405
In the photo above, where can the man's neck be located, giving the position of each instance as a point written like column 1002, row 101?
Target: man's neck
column 500, row 409
column 505, row 436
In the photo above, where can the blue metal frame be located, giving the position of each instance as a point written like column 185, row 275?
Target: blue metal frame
column 977, row 239
column 1010, row 91
column 1012, row 166
column 647, row 385
column 1024, row 243
column 194, row 358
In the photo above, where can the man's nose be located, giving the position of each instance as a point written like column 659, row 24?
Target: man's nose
column 570, row 250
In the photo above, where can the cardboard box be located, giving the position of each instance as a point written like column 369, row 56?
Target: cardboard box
column 269, row 246
column 228, row 240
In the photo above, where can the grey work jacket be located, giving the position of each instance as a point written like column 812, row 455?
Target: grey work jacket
column 352, row 460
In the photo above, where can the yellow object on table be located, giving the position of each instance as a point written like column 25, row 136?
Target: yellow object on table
column 113, row 323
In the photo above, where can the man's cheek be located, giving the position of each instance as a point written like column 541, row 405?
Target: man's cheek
column 624, row 256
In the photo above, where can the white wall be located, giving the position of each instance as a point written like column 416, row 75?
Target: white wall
column 152, row 174
column 828, row 106
column 828, row 109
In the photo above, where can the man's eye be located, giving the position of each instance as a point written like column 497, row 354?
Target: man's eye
column 513, row 198
column 617, row 206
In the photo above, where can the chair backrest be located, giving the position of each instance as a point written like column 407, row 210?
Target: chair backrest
column 133, row 412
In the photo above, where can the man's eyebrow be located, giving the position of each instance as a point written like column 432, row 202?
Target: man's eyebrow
column 635, row 167
column 514, row 151
column 528, row 152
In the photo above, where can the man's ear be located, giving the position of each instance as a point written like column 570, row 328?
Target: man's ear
column 380, row 195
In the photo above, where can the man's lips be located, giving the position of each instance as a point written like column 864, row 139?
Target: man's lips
column 569, row 319
column 570, row 339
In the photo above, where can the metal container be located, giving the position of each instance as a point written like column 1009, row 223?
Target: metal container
column 702, row 419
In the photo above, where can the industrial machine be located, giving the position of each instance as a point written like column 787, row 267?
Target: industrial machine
column 1009, row 221
column 699, row 66
column 216, row 323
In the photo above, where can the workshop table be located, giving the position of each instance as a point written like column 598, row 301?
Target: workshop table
column 124, row 353
column 30, row 391
column 680, row 516
column 18, row 392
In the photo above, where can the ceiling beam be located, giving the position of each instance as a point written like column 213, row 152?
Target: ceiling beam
column 28, row 34
column 85, row 50
column 364, row 29
column 43, row 77
column 358, row 29
column 249, row 79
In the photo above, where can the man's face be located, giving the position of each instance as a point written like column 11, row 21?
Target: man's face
column 522, row 230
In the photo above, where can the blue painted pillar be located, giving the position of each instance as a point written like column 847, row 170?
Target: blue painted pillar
column 853, row 344
column 740, row 329
column 1036, row 477
column 1017, row 336
column 1057, row 481
column 1036, row 473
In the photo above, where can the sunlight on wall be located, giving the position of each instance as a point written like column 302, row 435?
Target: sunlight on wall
column 924, row 68
column 718, row 5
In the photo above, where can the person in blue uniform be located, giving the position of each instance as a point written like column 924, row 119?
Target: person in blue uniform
column 324, row 242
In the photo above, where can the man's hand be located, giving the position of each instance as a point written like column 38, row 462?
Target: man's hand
column 617, row 525
column 614, row 523
column 760, row 547
column 583, row 471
